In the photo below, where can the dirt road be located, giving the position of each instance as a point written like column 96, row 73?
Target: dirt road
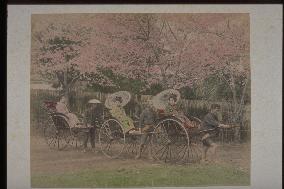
column 47, row 161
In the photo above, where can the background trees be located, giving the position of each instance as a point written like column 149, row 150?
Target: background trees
column 205, row 56
column 55, row 53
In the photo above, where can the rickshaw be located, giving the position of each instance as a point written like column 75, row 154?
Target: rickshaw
column 113, row 140
column 57, row 132
column 170, row 142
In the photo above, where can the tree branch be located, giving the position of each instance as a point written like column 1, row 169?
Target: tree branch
column 148, row 28
column 171, row 31
column 162, row 28
column 142, row 28
column 242, row 98
column 73, row 81
column 223, row 77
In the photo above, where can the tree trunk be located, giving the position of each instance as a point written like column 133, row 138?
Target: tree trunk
column 65, row 87
column 235, row 104
column 164, row 79
column 242, row 106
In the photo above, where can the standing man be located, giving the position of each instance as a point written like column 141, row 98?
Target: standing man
column 146, row 125
column 94, row 116
column 210, row 127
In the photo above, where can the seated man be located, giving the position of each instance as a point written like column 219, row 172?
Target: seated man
column 118, row 112
column 171, row 109
column 146, row 124
column 209, row 128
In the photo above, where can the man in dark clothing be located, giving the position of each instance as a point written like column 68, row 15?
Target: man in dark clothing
column 209, row 127
column 146, row 124
column 93, row 115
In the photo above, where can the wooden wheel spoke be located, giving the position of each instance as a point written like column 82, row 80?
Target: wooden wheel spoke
column 170, row 141
column 169, row 153
column 182, row 149
column 53, row 141
column 112, row 139
column 163, row 147
column 164, row 153
column 108, row 146
column 184, row 153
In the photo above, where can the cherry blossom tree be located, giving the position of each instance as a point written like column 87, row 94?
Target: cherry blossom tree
column 176, row 50
column 172, row 50
column 55, row 53
column 232, row 52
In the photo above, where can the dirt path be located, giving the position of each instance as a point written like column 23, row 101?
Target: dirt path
column 237, row 155
column 47, row 161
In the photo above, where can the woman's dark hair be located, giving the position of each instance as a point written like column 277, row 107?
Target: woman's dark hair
column 173, row 96
column 118, row 98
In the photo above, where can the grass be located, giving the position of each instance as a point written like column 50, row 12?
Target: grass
column 195, row 175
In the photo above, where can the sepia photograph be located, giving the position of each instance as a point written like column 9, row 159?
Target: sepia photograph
column 124, row 100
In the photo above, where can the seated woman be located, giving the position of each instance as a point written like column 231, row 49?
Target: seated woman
column 73, row 120
column 75, row 124
column 172, row 109
column 118, row 113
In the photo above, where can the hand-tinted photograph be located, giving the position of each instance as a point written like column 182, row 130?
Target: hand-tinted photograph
column 122, row 100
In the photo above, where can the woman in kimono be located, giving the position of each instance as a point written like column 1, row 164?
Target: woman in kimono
column 118, row 112
column 73, row 120
column 172, row 109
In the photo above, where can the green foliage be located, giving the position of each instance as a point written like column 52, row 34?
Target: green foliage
column 154, row 89
column 132, row 85
column 198, row 112
column 96, row 87
column 189, row 93
column 38, row 114
column 214, row 88
column 135, row 86
column 120, row 82
column 67, row 46
column 161, row 176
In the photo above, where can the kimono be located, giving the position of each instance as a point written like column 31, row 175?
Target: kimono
column 173, row 110
column 120, row 115
column 73, row 120
column 209, row 126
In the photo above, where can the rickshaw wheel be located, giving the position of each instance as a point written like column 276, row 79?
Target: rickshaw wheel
column 111, row 138
column 56, row 138
column 194, row 152
column 195, row 146
column 170, row 142
column 131, row 145
column 76, row 139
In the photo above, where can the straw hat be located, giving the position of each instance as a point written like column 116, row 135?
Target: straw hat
column 94, row 101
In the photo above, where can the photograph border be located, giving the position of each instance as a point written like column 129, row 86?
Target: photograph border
column 266, row 34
